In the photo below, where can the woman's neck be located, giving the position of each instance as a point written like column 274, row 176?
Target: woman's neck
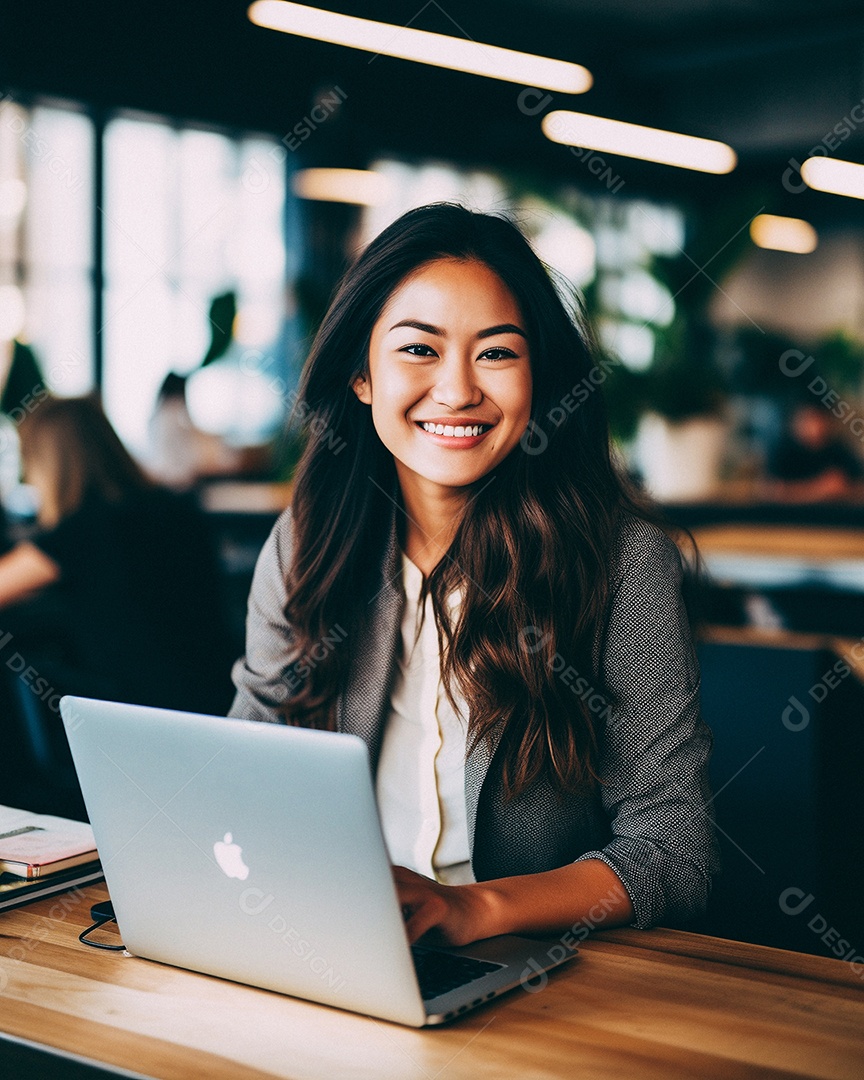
column 428, row 526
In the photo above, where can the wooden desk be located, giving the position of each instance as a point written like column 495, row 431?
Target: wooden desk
column 646, row 1004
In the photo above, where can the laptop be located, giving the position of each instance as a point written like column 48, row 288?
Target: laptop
column 254, row 852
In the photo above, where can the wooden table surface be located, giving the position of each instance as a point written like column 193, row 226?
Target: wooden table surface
column 634, row 1003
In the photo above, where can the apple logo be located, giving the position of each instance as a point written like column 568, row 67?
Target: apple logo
column 229, row 858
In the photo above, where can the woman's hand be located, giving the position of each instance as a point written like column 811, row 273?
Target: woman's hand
column 456, row 914
column 586, row 894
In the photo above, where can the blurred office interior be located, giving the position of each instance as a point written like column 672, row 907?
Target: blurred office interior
column 175, row 209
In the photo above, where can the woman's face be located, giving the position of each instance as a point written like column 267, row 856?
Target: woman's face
column 449, row 349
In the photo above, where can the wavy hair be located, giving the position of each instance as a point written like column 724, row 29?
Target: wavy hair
column 530, row 554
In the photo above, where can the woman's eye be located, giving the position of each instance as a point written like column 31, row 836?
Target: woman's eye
column 498, row 354
column 429, row 351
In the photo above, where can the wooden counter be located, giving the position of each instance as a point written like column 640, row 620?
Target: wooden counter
column 646, row 1004
column 814, row 542
column 757, row 555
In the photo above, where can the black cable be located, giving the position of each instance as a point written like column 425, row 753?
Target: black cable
column 103, row 913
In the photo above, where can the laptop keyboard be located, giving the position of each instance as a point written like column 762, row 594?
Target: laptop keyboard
column 439, row 972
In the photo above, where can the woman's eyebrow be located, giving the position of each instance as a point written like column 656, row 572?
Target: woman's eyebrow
column 504, row 328
column 428, row 328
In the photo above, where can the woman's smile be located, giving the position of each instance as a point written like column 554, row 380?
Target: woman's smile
column 454, row 436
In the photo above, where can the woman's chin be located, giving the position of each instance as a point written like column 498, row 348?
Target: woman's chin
column 443, row 478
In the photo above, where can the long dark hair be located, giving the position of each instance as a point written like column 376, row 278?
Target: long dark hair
column 531, row 555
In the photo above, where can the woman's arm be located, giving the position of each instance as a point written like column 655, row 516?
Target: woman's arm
column 584, row 894
column 655, row 746
column 257, row 675
column 23, row 571
column 662, row 854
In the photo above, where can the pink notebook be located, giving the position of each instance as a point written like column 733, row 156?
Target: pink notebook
column 33, row 845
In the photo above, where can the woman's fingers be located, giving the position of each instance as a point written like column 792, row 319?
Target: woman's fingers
column 422, row 919
column 424, row 905
column 450, row 911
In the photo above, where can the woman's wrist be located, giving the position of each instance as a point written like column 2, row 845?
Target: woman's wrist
column 488, row 912
column 549, row 901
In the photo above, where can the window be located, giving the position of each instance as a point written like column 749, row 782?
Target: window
column 46, row 241
column 605, row 242
column 188, row 214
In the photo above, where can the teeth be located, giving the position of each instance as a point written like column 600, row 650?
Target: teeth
column 457, row 432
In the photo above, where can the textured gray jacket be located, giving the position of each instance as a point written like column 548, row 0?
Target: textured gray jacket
column 651, row 819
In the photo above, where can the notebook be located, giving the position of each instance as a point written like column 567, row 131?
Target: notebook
column 16, row 890
column 254, row 852
column 33, row 845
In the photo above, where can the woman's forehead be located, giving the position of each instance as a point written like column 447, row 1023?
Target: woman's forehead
column 453, row 289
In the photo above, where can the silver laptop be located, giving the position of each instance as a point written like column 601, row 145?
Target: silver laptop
column 254, row 852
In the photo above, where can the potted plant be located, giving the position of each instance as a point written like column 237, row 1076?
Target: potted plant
column 682, row 427
column 682, row 432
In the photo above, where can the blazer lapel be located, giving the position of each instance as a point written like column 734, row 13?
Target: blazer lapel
column 364, row 706
column 476, row 767
column 365, row 702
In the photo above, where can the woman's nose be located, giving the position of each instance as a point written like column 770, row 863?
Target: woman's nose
column 456, row 385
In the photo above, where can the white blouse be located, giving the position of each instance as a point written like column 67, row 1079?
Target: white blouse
column 420, row 783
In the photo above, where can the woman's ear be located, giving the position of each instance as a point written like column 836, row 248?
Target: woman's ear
column 362, row 389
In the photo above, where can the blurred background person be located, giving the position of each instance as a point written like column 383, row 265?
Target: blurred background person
column 117, row 593
column 180, row 452
column 811, row 460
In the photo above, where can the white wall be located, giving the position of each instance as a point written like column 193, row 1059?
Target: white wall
column 806, row 296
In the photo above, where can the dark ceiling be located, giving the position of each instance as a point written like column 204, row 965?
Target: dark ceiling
column 772, row 78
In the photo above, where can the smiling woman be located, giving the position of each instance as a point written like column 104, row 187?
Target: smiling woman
column 516, row 652
column 463, row 384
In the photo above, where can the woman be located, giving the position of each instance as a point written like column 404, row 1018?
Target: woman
column 470, row 586
column 136, row 612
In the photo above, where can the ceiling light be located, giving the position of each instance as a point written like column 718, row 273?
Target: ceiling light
column 833, row 176
column 439, row 50
column 783, row 234
column 359, row 186
column 633, row 140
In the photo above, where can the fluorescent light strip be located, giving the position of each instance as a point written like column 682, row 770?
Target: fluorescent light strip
column 783, row 234
column 362, row 187
column 439, row 50
column 635, row 141
column 835, row 177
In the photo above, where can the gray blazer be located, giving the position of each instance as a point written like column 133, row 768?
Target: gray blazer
column 651, row 819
